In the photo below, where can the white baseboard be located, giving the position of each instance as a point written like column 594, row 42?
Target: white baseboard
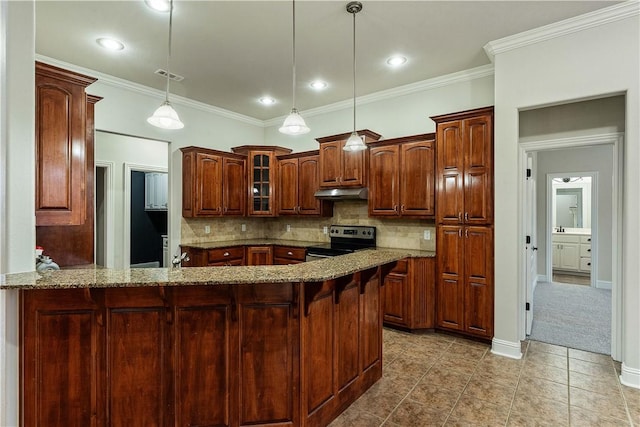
column 603, row 284
column 509, row 349
column 542, row 278
column 630, row 376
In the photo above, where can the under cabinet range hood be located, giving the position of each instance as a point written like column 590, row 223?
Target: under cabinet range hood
column 361, row 193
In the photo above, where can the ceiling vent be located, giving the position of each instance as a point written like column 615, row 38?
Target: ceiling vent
column 163, row 73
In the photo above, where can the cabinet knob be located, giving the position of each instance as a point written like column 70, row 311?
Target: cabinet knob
column 289, row 253
column 466, row 216
column 401, row 208
column 459, row 216
column 466, row 233
column 588, row 263
column 588, row 250
column 226, row 254
column 395, row 208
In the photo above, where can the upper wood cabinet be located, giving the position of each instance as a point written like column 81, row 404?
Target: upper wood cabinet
column 401, row 177
column 61, row 151
column 298, row 180
column 213, row 183
column 262, row 175
column 339, row 168
column 464, row 167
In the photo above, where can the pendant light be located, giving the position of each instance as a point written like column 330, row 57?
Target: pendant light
column 355, row 142
column 165, row 116
column 294, row 123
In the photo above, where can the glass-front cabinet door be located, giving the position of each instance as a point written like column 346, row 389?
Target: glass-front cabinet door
column 262, row 176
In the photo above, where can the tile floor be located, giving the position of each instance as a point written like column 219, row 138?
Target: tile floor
column 432, row 379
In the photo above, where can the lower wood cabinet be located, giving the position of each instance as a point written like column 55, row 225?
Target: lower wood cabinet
column 464, row 284
column 409, row 294
column 217, row 257
column 260, row 255
column 284, row 354
column 283, row 255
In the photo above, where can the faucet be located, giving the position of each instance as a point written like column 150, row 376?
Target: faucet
column 178, row 258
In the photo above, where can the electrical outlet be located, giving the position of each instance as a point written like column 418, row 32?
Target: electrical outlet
column 243, row 227
column 288, row 227
column 325, row 230
column 207, row 229
column 427, row 235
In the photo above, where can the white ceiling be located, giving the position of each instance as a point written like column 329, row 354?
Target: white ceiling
column 233, row 52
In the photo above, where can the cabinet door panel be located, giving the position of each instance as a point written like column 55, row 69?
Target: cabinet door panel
column 137, row 361
column 570, row 256
column 347, row 334
column 288, row 187
column 308, row 184
column 353, row 164
column 395, row 299
column 233, row 187
column 202, row 351
column 266, row 364
column 417, row 193
column 449, row 287
column 371, row 321
column 479, row 281
column 260, row 255
column 60, row 152
column 478, row 170
column 60, row 381
column 449, row 170
column 208, row 192
column 319, row 337
column 383, row 181
column 331, row 163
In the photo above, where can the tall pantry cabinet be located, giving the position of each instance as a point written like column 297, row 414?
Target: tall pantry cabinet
column 464, row 218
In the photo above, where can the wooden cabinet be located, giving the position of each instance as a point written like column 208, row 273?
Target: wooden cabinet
column 464, row 167
column 339, row 168
column 65, row 228
column 259, row 255
column 283, row 255
column 262, row 173
column 409, row 294
column 298, row 180
column 401, row 177
column 200, row 257
column 283, row 354
column 464, row 215
column 465, row 279
column 61, row 151
column 213, row 183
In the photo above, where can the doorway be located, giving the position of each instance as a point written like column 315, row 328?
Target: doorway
column 593, row 155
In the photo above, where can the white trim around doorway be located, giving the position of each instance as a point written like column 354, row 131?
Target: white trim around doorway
column 126, row 235
column 616, row 140
column 109, row 235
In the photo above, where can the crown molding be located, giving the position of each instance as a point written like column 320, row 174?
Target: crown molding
column 568, row 26
column 440, row 81
column 117, row 82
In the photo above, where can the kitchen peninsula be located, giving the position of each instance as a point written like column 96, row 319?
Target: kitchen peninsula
column 284, row 345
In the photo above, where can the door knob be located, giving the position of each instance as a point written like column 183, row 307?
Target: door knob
column 534, row 248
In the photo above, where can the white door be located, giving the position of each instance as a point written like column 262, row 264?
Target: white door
column 531, row 245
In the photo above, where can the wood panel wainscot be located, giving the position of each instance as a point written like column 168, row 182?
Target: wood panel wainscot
column 277, row 354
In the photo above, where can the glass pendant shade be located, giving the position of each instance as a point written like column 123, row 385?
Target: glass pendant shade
column 294, row 124
column 354, row 143
column 165, row 117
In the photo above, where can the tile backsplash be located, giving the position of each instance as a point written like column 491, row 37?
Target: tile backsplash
column 392, row 233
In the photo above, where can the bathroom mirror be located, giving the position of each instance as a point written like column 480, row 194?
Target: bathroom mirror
column 572, row 202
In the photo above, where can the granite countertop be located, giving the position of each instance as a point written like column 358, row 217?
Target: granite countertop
column 314, row 271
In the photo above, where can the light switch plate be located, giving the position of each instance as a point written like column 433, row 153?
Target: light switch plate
column 427, row 235
column 325, row 230
column 288, row 227
column 207, row 229
column 243, row 227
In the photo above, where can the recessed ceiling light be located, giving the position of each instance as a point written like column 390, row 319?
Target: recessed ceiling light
column 267, row 100
column 159, row 5
column 110, row 44
column 318, row 85
column 396, row 60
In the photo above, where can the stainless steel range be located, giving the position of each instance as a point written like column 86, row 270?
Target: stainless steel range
column 344, row 239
